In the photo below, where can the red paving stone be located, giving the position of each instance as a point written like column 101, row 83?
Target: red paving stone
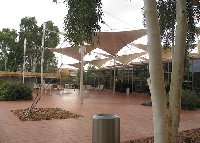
column 135, row 119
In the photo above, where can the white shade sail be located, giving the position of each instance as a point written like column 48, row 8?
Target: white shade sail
column 112, row 42
column 125, row 59
column 166, row 53
column 99, row 62
column 71, row 51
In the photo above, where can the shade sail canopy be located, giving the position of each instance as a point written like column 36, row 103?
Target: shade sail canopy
column 76, row 65
column 140, row 63
column 99, row 62
column 140, row 46
column 194, row 55
column 125, row 59
column 112, row 42
column 71, row 51
column 68, row 51
column 166, row 53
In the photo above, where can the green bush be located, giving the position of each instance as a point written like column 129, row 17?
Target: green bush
column 14, row 91
column 147, row 103
column 190, row 100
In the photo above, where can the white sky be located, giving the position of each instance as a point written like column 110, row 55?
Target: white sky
column 119, row 15
column 12, row 11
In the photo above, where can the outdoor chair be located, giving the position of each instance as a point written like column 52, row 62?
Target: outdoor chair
column 88, row 87
column 36, row 86
column 100, row 87
column 48, row 87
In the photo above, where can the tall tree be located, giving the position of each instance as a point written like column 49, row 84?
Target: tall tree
column 156, row 80
column 33, row 34
column 51, row 40
column 82, row 20
column 81, row 23
column 167, row 21
column 8, row 42
column 167, row 31
column 177, row 70
column 170, row 13
column 12, row 43
column 51, row 35
column 15, row 58
column 30, row 31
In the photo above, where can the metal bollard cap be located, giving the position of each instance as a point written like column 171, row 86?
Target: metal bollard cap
column 105, row 116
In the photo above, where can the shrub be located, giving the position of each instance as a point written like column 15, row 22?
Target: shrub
column 147, row 103
column 14, row 91
column 190, row 100
column 121, row 87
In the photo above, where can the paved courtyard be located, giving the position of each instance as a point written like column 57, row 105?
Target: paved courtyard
column 135, row 119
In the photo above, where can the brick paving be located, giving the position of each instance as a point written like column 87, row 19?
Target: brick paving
column 135, row 119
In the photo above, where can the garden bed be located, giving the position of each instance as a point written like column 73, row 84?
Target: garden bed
column 38, row 114
column 188, row 136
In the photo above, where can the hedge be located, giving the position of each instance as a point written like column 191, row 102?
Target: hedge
column 10, row 91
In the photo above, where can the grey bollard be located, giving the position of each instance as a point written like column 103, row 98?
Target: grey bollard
column 127, row 91
column 106, row 128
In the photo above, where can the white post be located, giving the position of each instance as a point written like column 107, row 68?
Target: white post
column 42, row 57
column 81, row 50
column 132, row 79
column 114, row 77
column 198, row 47
column 192, row 73
column 24, row 58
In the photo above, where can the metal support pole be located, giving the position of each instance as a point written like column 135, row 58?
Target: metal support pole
column 42, row 56
column 168, row 72
column 24, row 58
column 192, row 74
column 198, row 46
column 114, row 77
column 81, row 50
column 128, row 75
column 132, row 79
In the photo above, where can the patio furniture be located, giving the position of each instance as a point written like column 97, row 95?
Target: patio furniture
column 47, row 87
column 67, row 86
column 100, row 87
column 36, row 86
column 88, row 87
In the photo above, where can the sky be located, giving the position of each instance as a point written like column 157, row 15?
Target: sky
column 119, row 15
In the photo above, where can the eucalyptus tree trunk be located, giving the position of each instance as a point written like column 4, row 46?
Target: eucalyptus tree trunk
column 177, row 71
column 5, row 62
column 156, row 80
column 5, row 54
column 35, row 59
column 34, row 64
column 47, row 68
